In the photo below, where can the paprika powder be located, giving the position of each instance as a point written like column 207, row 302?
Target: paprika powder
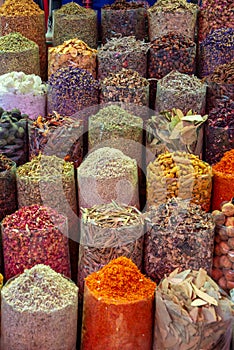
column 223, row 179
column 116, row 300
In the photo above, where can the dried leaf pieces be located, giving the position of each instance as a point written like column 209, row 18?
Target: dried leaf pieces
column 191, row 313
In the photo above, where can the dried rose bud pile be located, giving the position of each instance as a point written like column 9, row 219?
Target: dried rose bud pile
column 223, row 263
column 35, row 235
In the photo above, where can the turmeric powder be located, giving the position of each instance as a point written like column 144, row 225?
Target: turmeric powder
column 120, row 281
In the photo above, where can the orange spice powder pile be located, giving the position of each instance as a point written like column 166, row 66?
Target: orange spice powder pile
column 120, row 281
column 226, row 164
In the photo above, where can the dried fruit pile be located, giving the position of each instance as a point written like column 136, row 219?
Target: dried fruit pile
column 223, row 263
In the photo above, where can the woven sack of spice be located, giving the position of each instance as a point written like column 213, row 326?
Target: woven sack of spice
column 109, row 231
column 107, row 174
column 39, row 311
column 13, row 135
column 26, row 17
column 35, row 235
column 179, row 174
column 17, row 53
column 123, row 18
column 172, row 16
column 26, row 92
column 75, row 21
column 178, row 235
column 118, row 307
column 172, row 130
column 223, row 180
column 191, row 313
column 8, row 194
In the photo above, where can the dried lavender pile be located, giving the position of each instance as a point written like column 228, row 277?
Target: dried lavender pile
column 216, row 49
column 8, row 194
column 114, row 127
column 123, row 18
column 75, row 21
column 118, row 53
column 109, row 231
column 105, row 175
column 178, row 235
column 39, row 311
column 192, row 313
column 177, row 16
column 17, row 53
column 219, row 131
column 178, row 90
column 125, row 86
column 13, row 135
column 35, row 235
column 57, row 135
column 71, row 89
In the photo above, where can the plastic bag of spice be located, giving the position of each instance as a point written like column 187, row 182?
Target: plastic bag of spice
column 172, row 16
column 118, row 53
column 107, row 232
column 223, row 179
column 223, row 262
column 214, row 15
column 25, row 92
column 71, row 89
column 73, row 52
column 178, row 235
column 192, row 313
column 178, row 90
column 172, row 131
column 179, row 174
column 172, row 51
column 107, row 174
column 219, row 131
column 116, row 300
column 13, row 135
column 26, row 17
column 216, row 49
column 56, row 135
column 49, row 180
column 39, row 311
column 17, row 53
column 125, row 86
column 35, row 235
column 124, row 18
column 220, row 85
column 75, row 21
column 8, row 195
column 113, row 126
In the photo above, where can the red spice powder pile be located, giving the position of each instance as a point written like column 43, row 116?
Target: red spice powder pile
column 120, row 281
column 226, row 164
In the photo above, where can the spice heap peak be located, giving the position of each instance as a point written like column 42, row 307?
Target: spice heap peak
column 120, row 281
